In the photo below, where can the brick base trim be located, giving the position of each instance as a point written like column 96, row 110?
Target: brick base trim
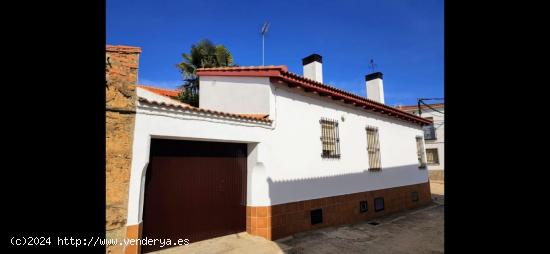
column 278, row 221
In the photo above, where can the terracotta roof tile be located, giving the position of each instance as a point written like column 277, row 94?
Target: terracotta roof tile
column 250, row 117
column 243, row 71
column 247, row 68
column 161, row 91
column 415, row 107
column 259, row 116
column 281, row 75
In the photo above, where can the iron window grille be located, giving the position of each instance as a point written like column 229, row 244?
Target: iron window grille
column 429, row 131
column 373, row 148
column 330, row 138
column 433, row 156
column 420, row 153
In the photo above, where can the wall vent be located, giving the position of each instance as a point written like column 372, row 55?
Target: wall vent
column 379, row 204
column 414, row 196
column 316, row 216
column 363, row 206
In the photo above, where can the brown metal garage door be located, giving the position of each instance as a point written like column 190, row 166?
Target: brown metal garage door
column 194, row 190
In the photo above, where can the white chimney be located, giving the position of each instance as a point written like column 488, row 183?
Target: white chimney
column 375, row 87
column 313, row 67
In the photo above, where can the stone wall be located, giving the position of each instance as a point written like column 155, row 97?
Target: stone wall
column 121, row 75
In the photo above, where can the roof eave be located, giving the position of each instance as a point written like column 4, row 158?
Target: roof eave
column 267, row 73
column 349, row 99
column 208, row 111
column 279, row 76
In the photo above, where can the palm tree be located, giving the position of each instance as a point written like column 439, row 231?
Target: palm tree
column 204, row 54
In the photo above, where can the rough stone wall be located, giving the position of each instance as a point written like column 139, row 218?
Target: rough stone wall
column 121, row 76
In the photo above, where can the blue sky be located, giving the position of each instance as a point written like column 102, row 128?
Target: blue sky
column 404, row 37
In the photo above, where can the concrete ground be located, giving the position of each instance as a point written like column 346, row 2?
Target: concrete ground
column 236, row 243
column 414, row 231
column 438, row 192
column 437, row 187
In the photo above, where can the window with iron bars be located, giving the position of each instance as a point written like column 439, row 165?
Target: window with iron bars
column 330, row 138
column 433, row 156
column 429, row 131
column 420, row 152
column 373, row 148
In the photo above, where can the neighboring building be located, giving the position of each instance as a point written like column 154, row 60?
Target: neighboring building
column 271, row 153
column 161, row 91
column 434, row 136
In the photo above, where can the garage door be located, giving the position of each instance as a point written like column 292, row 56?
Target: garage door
column 194, row 190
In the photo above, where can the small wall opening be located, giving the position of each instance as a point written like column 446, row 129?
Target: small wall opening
column 379, row 204
column 363, row 206
column 414, row 196
column 316, row 216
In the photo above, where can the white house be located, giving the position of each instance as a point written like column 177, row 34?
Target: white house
column 434, row 136
column 272, row 153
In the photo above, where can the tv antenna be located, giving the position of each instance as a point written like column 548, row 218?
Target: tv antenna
column 372, row 65
column 263, row 31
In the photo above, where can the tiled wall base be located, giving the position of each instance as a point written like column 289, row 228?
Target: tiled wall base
column 278, row 221
column 133, row 232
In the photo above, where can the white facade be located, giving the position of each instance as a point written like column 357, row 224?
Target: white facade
column 439, row 142
column 284, row 160
column 439, row 125
column 236, row 94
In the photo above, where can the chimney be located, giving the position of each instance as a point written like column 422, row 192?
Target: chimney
column 375, row 87
column 313, row 67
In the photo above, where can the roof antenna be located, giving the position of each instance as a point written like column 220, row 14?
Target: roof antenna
column 372, row 65
column 263, row 31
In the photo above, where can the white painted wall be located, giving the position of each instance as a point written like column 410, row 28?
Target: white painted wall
column 248, row 95
column 164, row 122
column 284, row 161
column 439, row 142
column 295, row 169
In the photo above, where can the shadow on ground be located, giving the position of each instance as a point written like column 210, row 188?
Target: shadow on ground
column 414, row 231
